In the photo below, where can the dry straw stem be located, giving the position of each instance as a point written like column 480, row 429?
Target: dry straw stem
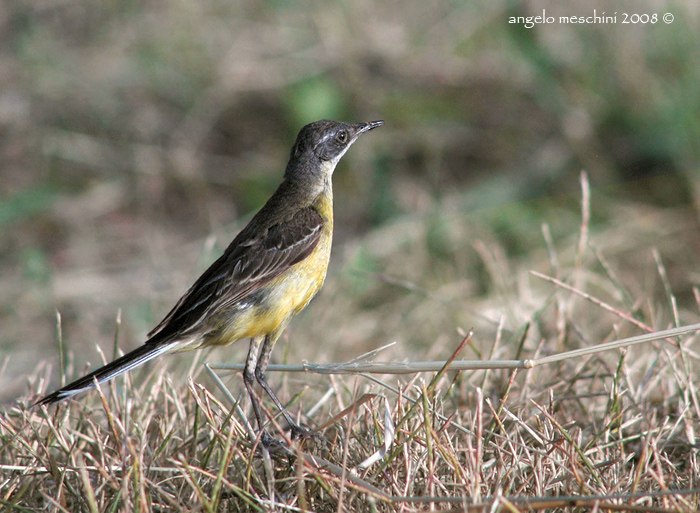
column 360, row 366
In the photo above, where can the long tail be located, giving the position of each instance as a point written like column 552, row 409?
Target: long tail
column 127, row 362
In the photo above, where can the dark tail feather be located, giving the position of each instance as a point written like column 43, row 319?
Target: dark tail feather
column 111, row 370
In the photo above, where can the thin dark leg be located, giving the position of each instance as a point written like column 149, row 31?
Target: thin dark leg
column 263, row 360
column 251, row 363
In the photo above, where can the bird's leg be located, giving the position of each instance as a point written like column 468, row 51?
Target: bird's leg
column 263, row 360
column 251, row 363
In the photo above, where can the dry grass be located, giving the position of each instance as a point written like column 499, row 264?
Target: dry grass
column 133, row 131
column 614, row 430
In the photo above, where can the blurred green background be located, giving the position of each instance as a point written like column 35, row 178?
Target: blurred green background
column 136, row 138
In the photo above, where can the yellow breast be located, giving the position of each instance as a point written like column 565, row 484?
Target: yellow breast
column 285, row 296
column 292, row 291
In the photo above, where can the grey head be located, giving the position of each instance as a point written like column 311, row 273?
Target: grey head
column 324, row 142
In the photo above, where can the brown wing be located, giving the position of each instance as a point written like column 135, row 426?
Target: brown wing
column 252, row 260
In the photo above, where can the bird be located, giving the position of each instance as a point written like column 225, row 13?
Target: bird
column 268, row 274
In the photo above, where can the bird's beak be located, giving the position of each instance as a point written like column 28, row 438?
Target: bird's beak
column 365, row 127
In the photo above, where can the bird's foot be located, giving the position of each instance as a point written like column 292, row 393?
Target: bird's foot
column 297, row 433
column 272, row 444
column 302, row 434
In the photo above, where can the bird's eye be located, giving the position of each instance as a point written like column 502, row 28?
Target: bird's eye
column 341, row 137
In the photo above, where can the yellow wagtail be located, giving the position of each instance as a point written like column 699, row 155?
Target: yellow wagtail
column 266, row 276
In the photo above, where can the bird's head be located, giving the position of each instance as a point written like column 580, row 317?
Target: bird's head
column 320, row 145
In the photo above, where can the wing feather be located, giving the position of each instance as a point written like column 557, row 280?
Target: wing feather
column 247, row 265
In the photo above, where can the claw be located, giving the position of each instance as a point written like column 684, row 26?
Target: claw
column 300, row 433
column 272, row 444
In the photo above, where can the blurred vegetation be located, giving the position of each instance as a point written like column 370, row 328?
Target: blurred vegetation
column 137, row 137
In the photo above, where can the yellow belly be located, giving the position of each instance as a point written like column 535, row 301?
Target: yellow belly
column 290, row 293
column 282, row 298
